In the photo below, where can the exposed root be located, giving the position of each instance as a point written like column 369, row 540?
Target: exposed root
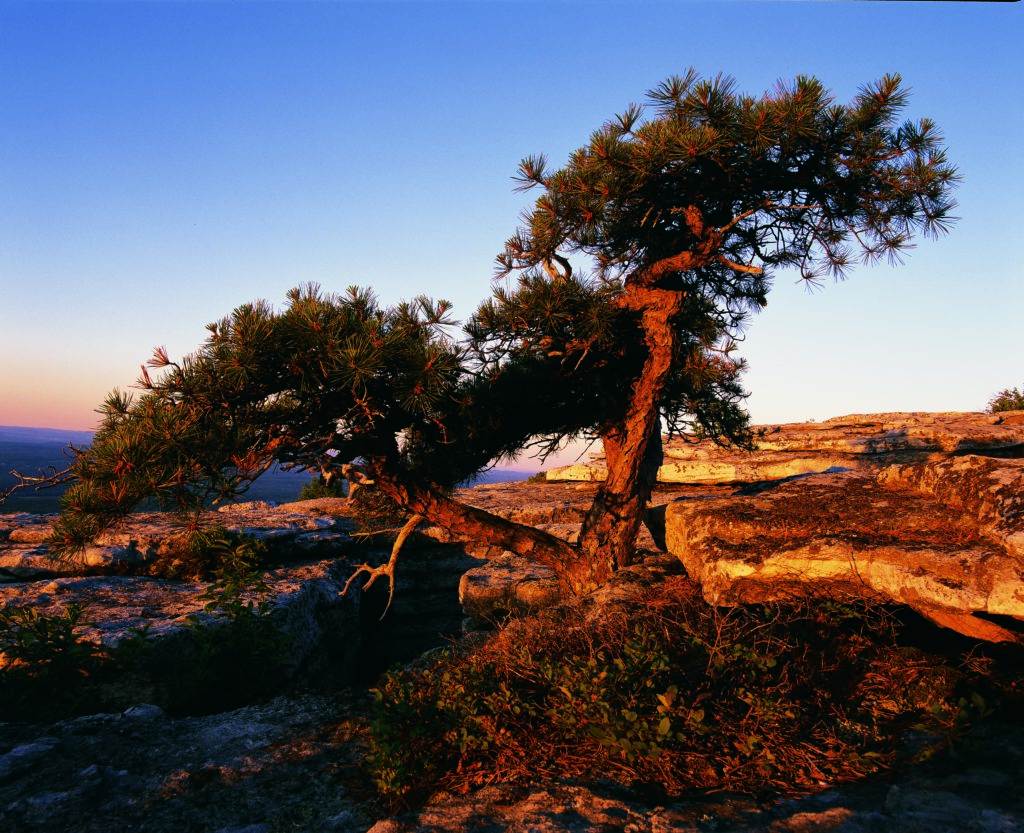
column 387, row 569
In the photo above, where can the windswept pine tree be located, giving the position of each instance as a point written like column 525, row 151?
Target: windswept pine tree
column 683, row 210
column 635, row 271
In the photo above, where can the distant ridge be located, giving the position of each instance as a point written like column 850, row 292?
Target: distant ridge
column 25, row 434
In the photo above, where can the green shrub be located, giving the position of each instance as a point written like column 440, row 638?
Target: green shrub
column 317, row 488
column 46, row 669
column 202, row 550
column 671, row 694
column 1010, row 399
column 44, row 643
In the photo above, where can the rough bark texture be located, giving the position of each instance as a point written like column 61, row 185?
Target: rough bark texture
column 633, row 448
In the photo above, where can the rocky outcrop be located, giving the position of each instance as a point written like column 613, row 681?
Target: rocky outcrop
column 989, row 491
column 311, row 555
column 306, row 612
column 116, row 606
column 942, row 537
column 886, row 537
column 284, row 764
column 301, row 527
column 858, row 441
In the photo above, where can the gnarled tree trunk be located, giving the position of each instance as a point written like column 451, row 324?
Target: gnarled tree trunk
column 633, row 448
column 574, row 569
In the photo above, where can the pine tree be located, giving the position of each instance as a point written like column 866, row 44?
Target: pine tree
column 684, row 210
column 635, row 272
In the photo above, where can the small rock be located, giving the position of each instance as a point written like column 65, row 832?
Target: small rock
column 386, row 826
column 340, row 820
column 249, row 828
column 22, row 757
column 143, row 711
column 46, row 800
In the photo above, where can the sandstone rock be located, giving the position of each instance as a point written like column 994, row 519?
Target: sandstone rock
column 26, row 563
column 507, row 585
column 857, row 441
column 989, row 490
column 512, row 586
column 301, row 527
column 844, row 534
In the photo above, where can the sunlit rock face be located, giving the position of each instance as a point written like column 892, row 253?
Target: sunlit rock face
column 942, row 538
column 857, row 441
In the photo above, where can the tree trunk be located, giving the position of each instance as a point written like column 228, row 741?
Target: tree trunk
column 633, row 447
column 468, row 522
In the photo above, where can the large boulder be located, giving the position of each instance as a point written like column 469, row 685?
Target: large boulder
column 888, row 537
column 858, row 441
column 990, row 491
column 507, row 585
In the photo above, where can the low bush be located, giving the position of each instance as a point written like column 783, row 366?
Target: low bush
column 202, row 550
column 241, row 659
column 45, row 666
column 318, row 488
column 1010, row 399
column 42, row 642
column 670, row 694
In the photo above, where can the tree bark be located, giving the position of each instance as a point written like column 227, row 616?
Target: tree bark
column 633, row 448
column 574, row 570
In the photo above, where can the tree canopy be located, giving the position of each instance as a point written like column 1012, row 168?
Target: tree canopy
column 615, row 314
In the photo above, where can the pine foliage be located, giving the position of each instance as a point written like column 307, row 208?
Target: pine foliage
column 709, row 192
column 703, row 191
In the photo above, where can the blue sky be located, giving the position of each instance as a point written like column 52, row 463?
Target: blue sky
column 160, row 164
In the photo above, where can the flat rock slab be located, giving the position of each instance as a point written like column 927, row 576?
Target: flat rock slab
column 856, row 441
column 988, row 490
column 301, row 526
column 117, row 607
column 848, row 533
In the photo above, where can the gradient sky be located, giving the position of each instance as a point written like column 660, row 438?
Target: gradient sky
column 160, row 164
